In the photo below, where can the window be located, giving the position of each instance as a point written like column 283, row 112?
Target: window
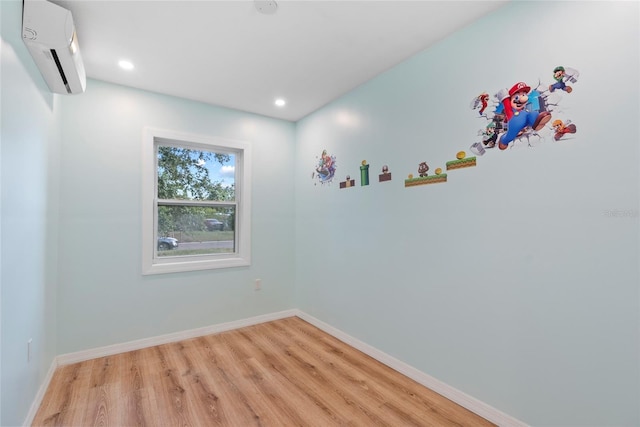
column 196, row 202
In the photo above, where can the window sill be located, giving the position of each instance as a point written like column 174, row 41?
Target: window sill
column 194, row 265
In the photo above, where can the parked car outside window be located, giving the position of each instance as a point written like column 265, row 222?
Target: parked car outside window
column 167, row 243
column 214, row 224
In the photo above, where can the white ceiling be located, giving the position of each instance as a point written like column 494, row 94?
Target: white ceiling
column 227, row 53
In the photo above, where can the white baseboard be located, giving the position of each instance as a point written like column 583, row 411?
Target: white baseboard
column 40, row 395
column 81, row 356
column 474, row 405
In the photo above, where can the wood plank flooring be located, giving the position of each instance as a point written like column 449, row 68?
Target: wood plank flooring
column 281, row 373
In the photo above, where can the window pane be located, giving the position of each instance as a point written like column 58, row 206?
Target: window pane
column 196, row 202
column 191, row 174
column 196, row 230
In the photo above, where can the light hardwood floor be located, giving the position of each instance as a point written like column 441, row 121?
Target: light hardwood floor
column 281, row 373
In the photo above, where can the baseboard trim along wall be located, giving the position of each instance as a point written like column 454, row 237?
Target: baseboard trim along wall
column 474, row 405
column 81, row 356
column 41, row 391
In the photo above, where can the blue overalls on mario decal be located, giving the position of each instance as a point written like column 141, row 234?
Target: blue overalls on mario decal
column 535, row 104
column 521, row 107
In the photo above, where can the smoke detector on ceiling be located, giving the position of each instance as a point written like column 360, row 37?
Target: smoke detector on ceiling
column 266, row 7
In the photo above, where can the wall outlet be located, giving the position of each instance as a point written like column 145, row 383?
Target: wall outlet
column 258, row 284
column 29, row 349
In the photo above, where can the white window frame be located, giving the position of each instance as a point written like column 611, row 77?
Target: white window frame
column 151, row 262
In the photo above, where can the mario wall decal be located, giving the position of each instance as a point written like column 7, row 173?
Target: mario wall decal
column 325, row 168
column 523, row 113
column 517, row 117
column 519, row 114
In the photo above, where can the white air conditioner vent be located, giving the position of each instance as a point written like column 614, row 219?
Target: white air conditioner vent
column 50, row 35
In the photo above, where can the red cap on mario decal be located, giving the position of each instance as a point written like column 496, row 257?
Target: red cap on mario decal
column 519, row 87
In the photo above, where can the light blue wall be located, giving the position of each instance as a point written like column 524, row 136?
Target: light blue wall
column 103, row 297
column 30, row 138
column 511, row 282
column 517, row 280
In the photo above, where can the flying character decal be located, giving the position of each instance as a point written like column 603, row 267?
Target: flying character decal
column 517, row 116
column 524, row 113
column 325, row 168
column 562, row 75
column 481, row 101
column 561, row 128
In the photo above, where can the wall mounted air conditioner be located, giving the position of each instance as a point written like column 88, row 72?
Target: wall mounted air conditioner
column 50, row 36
